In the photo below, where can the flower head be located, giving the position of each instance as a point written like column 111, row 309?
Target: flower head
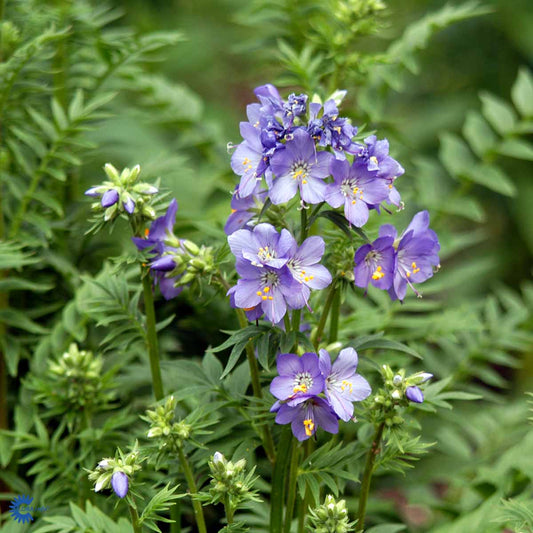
column 343, row 385
column 299, row 378
column 299, row 167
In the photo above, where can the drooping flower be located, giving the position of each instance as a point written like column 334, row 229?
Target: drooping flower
column 307, row 416
column 343, row 385
column 262, row 246
column 120, row 484
column 416, row 254
column 357, row 188
column 374, row 263
column 242, row 209
column 299, row 167
column 299, row 378
column 414, row 394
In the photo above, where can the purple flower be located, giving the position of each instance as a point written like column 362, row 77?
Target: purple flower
column 242, row 209
column 262, row 246
column 246, row 159
column 120, row 484
column 129, row 205
column 374, row 263
column 161, row 229
column 304, row 264
column 296, row 105
column 343, row 385
column 299, row 378
column 356, row 188
column 375, row 156
column 416, row 254
column 271, row 289
column 109, row 198
column 331, row 130
column 414, row 394
column 299, row 167
column 307, row 416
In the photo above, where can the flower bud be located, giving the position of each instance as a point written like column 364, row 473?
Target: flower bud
column 120, row 484
column 190, row 247
column 109, row 198
column 112, row 172
column 414, row 394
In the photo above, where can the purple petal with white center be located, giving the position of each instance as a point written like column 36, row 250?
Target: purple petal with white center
column 120, row 484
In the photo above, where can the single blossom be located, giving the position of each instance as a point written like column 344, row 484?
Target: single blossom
column 262, row 246
column 247, row 158
column 343, row 385
column 357, row 189
column 414, row 394
column 120, row 484
column 416, row 254
column 299, row 378
column 307, row 416
column 242, row 209
column 272, row 289
column 374, row 264
column 299, row 167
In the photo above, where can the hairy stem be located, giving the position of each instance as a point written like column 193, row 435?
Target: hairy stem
column 325, row 312
column 367, row 476
column 197, row 506
column 151, row 336
column 293, row 476
column 228, row 509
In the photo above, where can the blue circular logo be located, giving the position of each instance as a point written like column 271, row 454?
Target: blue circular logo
column 18, row 509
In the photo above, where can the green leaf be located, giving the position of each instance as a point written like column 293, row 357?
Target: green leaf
column 522, row 92
column 387, row 528
column 17, row 319
column 59, row 115
column 379, row 342
column 455, row 155
column 516, row 148
column 479, row 134
column 493, row 178
column 498, row 112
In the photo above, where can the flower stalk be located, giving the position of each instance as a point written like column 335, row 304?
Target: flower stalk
column 325, row 312
column 135, row 519
column 151, row 336
column 293, row 476
column 367, row 476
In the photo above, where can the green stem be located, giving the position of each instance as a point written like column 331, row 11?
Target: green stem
column 327, row 306
column 175, row 514
column 229, row 509
column 135, row 520
column 367, row 475
column 268, row 442
column 278, row 480
column 304, row 503
column 151, row 336
column 293, row 476
column 334, row 316
column 303, row 225
column 197, row 506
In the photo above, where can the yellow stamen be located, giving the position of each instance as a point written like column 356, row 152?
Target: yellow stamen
column 346, row 385
column 246, row 161
column 233, row 211
column 378, row 274
column 146, row 233
column 259, row 293
column 266, row 289
column 374, row 160
column 309, row 426
column 300, row 388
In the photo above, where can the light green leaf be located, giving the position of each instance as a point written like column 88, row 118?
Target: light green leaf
column 479, row 134
column 516, row 148
column 493, row 178
column 522, row 92
column 455, row 155
column 498, row 112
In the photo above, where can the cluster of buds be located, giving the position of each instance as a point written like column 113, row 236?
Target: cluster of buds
column 330, row 517
column 74, row 381
column 116, row 473
column 399, row 390
column 163, row 427
column 230, row 484
column 123, row 194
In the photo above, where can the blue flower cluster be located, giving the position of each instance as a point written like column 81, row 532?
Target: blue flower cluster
column 293, row 147
column 276, row 273
column 312, row 392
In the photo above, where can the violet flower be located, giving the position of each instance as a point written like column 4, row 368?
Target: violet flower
column 242, row 209
column 343, row 385
column 299, row 167
column 262, row 246
column 109, row 198
column 299, row 378
column 357, row 188
column 247, row 158
column 307, row 416
column 416, row 254
column 414, row 394
column 374, row 263
column 120, row 484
